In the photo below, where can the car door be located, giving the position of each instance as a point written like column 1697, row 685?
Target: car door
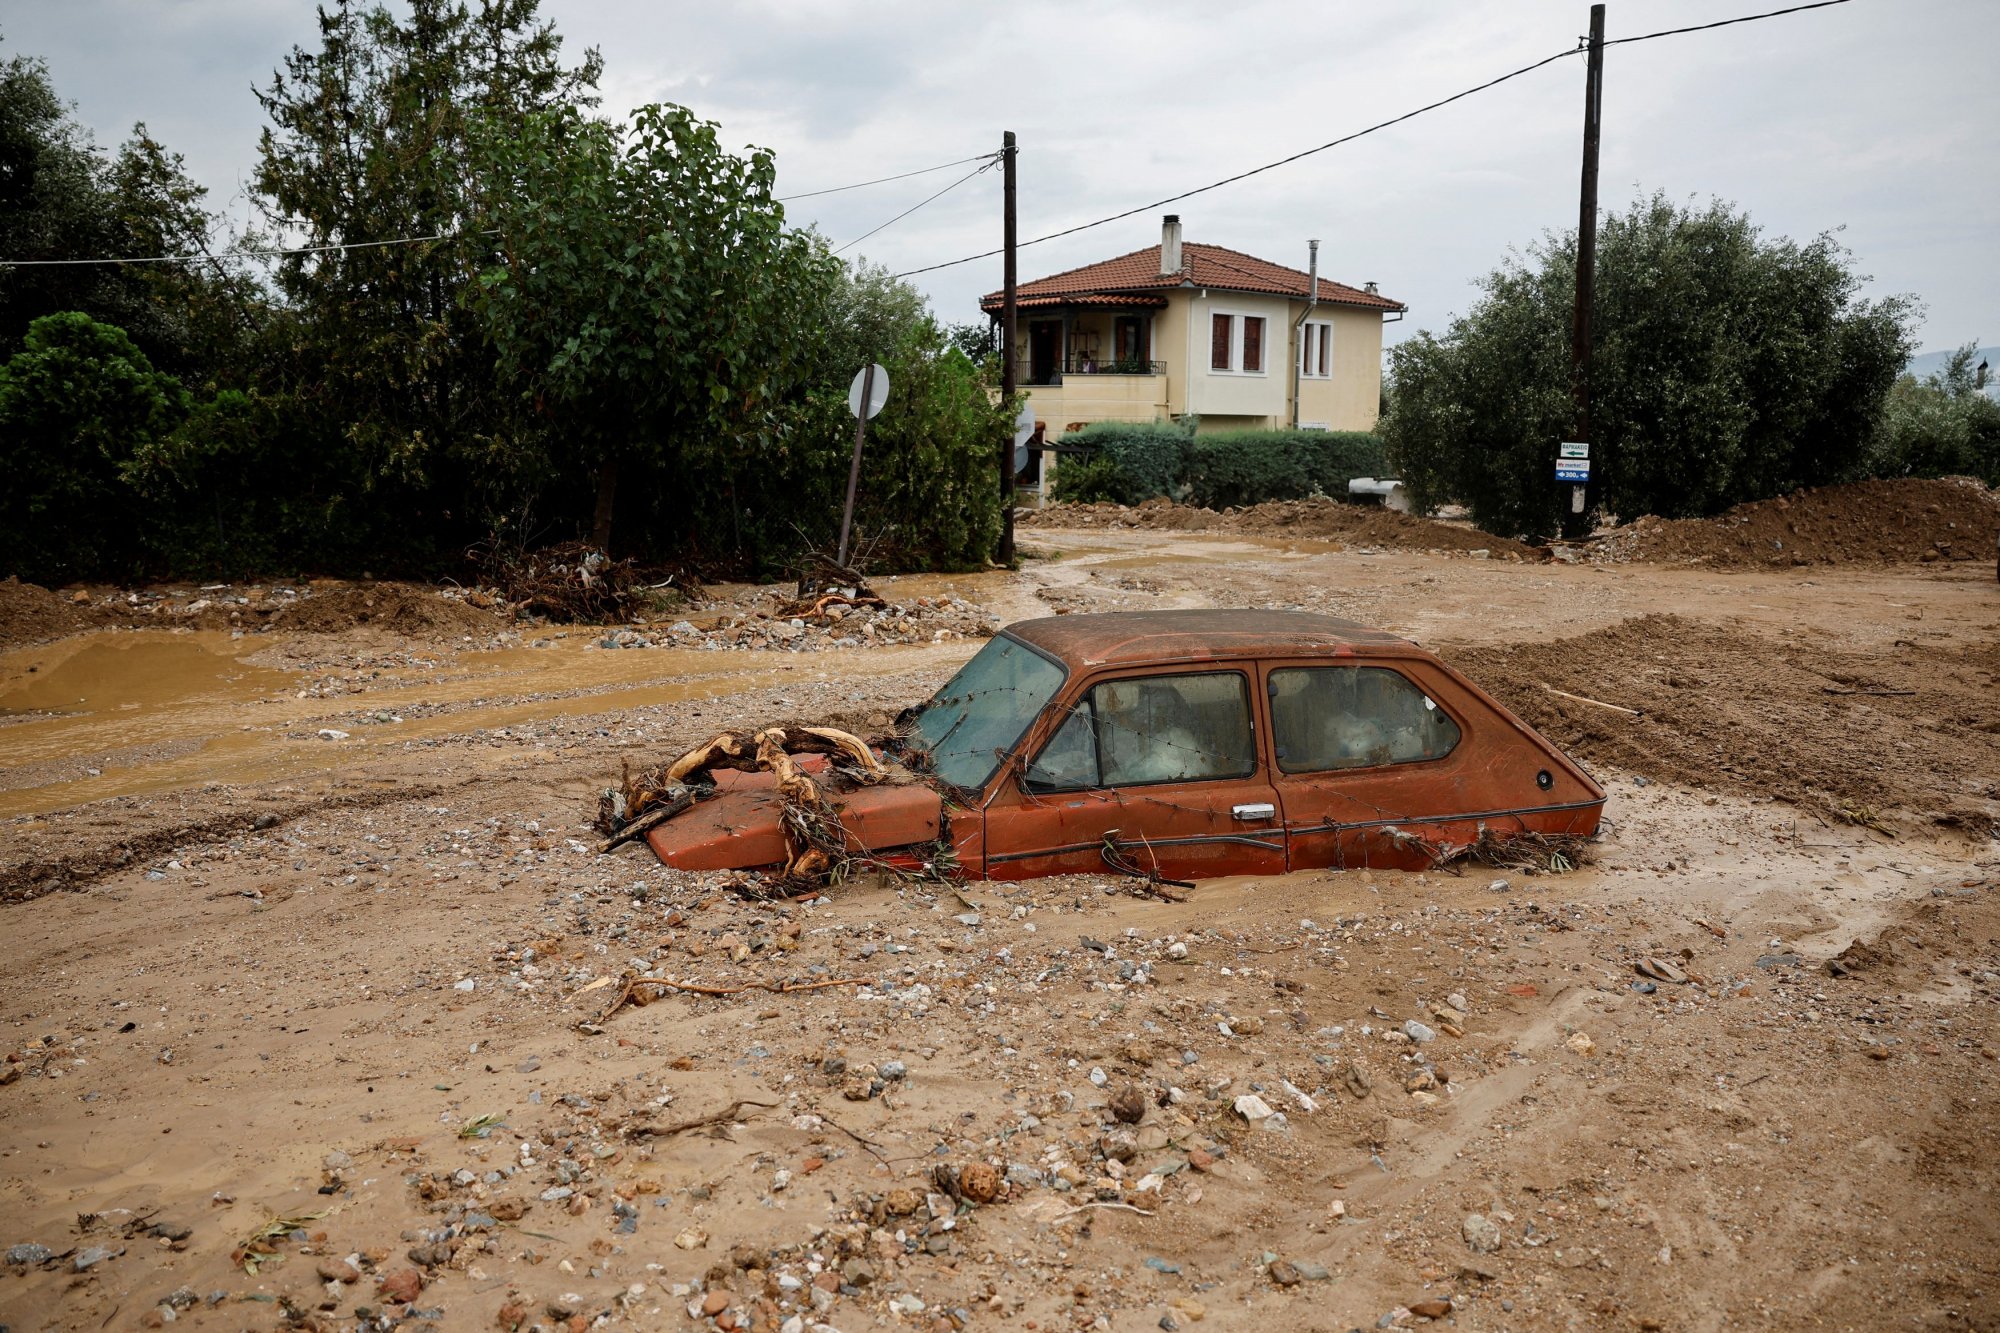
column 1144, row 772
column 1369, row 762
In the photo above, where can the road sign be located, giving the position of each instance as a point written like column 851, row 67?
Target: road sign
column 1024, row 430
column 878, row 392
column 1572, row 469
column 1573, row 449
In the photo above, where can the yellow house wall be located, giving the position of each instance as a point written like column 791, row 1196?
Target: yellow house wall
column 1258, row 399
column 1352, row 398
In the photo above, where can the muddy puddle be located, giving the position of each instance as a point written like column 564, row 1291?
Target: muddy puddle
column 121, row 714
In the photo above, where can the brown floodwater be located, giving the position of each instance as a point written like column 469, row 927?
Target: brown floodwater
column 124, row 713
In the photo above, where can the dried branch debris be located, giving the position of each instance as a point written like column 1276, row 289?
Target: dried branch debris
column 816, row 843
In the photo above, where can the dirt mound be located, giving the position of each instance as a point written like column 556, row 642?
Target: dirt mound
column 30, row 613
column 1868, row 522
column 396, row 607
column 1916, row 732
column 1320, row 519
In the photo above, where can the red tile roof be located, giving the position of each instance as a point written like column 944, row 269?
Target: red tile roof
column 1120, row 300
column 1210, row 266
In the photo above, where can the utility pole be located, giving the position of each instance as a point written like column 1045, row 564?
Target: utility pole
column 1009, row 317
column 1576, row 521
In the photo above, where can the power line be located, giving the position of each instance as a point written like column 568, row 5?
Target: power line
column 914, row 207
column 1268, row 166
column 286, row 252
column 246, row 254
column 1723, row 23
column 884, row 180
column 1349, row 138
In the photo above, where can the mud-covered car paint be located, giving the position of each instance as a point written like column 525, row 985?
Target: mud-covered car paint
column 1500, row 775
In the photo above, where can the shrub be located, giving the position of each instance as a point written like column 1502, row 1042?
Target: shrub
column 1135, row 461
column 1246, row 467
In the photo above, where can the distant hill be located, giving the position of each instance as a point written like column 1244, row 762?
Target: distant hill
column 1930, row 363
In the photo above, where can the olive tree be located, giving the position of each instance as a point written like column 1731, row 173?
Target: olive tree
column 1727, row 366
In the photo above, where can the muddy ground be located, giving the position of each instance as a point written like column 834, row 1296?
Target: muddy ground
column 300, row 926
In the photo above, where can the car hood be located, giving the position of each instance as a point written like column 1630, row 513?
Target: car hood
column 738, row 827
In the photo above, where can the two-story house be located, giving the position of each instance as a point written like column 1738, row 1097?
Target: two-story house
column 1180, row 328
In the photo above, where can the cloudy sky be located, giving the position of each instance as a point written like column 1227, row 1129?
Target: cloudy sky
column 1875, row 117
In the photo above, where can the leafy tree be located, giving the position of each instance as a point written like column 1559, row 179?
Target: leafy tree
column 1726, row 367
column 650, row 303
column 370, row 140
column 1941, row 425
column 76, row 404
column 980, row 340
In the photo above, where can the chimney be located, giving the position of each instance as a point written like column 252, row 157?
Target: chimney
column 1371, row 287
column 1170, row 246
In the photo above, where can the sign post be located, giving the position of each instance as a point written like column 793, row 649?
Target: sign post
column 1573, row 465
column 864, row 399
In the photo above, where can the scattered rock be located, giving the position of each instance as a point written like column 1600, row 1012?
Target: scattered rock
column 1481, row 1234
column 1253, row 1108
column 1128, row 1104
column 400, row 1287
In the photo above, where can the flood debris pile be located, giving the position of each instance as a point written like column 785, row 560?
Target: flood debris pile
column 1319, row 519
column 575, row 583
column 835, row 619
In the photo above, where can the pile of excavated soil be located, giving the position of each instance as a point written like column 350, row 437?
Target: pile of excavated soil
column 396, row 607
column 1320, row 519
column 1916, row 732
column 1867, row 522
column 30, row 613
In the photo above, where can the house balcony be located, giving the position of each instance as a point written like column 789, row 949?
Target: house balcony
column 1079, row 397
column 1091, row 365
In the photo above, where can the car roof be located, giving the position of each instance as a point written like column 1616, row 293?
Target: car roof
column 1132, row 638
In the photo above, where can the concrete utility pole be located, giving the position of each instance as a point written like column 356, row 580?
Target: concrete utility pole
column 1576, row 520
column 1008, row 319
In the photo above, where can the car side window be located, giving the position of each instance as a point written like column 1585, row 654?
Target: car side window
column 1151, row 729
column 1354, row 717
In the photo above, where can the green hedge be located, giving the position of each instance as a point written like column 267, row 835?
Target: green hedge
column 1134, row 462
column 1246, row 467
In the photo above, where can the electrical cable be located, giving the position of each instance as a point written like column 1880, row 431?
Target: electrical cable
column 914, row 207
column 884, row 180
column 1268, row 166
column 1349, row 138
column 1722, row 23
column 247, row 254
column 284, row 252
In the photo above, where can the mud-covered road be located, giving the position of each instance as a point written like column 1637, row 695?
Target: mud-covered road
column 290, row 1016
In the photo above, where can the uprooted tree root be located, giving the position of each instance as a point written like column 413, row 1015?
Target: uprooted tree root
column 573, row 583
column 816, row 843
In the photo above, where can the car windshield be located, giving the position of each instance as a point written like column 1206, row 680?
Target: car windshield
column 984, row 710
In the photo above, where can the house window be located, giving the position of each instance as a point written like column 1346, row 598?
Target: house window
column 1236, row 344
column 1316, row 350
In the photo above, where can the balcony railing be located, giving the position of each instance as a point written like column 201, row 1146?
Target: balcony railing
column 1096, row 365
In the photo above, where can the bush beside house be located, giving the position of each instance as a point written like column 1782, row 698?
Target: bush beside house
column 1131, row 463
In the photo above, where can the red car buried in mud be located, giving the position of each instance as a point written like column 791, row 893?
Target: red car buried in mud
column 1183, row 745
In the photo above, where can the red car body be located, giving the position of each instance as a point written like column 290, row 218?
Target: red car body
column 1190, row 744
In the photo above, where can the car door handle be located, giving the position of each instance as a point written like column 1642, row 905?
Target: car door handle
column 1259, row 810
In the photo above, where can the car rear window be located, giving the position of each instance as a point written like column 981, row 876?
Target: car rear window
column 1148, row 729
column 1354, row 717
